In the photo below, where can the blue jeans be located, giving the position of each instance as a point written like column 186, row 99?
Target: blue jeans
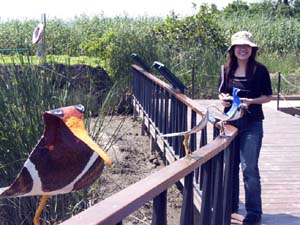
column 247, row 147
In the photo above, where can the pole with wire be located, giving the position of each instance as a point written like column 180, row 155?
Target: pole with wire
column 193, row 82
column 278, row 89
column 41, row 45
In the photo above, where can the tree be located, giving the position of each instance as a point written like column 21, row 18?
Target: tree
column 266, row 7
column 236, row 7
column 200, row 30
column 284, row 9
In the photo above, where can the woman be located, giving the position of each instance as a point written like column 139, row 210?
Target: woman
column 253, row 79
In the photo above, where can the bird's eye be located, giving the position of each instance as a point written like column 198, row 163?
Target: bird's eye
column 80, row 108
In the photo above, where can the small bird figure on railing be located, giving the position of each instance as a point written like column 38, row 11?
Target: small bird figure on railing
column 65, row 159
column 235, row 112
column 187, row 134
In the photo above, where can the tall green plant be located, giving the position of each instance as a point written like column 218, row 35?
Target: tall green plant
column 192, row 43
column 26, row 91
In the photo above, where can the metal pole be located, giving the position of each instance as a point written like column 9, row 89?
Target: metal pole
column 193, row 81
column 41, row 48
column 43, row 20
column 278, row 89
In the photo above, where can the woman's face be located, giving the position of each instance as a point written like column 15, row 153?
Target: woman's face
column 242, row 52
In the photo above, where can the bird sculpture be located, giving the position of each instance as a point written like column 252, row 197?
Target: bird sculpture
column 235, row 112
column 187, row 134
column 65, row 159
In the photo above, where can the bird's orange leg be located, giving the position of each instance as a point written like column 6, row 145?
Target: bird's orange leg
column 40, row 209
column 186, row 145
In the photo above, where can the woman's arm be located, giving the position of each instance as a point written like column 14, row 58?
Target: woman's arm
column 260, row 100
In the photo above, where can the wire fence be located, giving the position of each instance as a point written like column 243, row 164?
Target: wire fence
column 295, row 86
column 204, row 86
column 288, row 90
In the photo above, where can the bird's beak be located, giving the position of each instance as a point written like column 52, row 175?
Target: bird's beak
column 76, row 125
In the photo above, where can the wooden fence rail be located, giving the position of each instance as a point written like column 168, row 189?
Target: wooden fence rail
column 206, row 173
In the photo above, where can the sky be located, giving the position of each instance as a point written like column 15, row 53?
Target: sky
column 67, row 9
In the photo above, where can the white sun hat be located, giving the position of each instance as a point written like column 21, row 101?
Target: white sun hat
column 242, row 38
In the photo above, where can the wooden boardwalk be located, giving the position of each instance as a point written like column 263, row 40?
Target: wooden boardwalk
column 279, row 167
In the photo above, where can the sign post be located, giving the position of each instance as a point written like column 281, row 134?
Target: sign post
column 41, row 45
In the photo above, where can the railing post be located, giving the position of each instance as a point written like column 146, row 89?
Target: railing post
column 187, row 211
column 182, row 125
column 206, row 201
column 166, row 112
column 159, row 215
column 161, row 109
column 193, row 140
column 228, row 173
column 203, row 141
column 278, row 89
column 217, row 214
column 132, row 97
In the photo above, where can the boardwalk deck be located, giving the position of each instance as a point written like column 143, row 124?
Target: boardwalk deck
column 279, row 167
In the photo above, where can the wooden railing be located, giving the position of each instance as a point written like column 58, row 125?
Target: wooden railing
column 206, row 174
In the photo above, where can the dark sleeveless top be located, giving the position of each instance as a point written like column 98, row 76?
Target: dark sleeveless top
column 256, row 85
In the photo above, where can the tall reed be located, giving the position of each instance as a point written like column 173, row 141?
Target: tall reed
column 26, row 91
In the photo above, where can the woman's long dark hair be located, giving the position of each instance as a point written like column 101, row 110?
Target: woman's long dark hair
column 232, row 64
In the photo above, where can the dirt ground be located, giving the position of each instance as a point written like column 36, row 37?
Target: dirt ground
column 132, row 161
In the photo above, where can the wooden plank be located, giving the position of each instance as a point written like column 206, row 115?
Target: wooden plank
column 279, row 169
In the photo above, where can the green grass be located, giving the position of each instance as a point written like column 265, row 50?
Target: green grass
column 25, row 93
column 63, row 59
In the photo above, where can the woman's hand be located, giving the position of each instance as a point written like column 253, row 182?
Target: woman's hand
column 225, row 99
column 260, row 100
column 246, row 102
